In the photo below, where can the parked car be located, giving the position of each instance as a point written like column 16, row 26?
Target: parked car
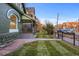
column 72, row 30
column 67, row 30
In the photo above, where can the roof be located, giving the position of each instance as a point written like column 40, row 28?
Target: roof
column 21, row 12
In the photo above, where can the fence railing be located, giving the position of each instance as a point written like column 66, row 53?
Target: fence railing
column 5, row 38
column 61, row 35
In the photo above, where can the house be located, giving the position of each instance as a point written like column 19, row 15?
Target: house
column 29, row 26
column 11, row 15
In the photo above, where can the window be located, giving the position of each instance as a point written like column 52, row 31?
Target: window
column 13, row 20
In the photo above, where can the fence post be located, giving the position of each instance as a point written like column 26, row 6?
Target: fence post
column 74, row 39
column 55, row 34
column 62, row 35
column 58, row 34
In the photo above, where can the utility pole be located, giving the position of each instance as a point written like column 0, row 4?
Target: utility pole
column 57, row 20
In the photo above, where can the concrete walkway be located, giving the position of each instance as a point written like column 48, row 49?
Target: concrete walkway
column 14, row 46
column 46, row 39
column 26, row 36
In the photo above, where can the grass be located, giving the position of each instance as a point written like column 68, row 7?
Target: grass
column 29, row 49
column 43, row 34
column 69, row 47
column 46, row 48
column 52, row 50
column 42, row 49
column 62, row 50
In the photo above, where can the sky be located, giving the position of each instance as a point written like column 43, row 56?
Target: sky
column 48, row 11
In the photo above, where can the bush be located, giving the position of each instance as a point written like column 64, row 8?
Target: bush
column 49, row 28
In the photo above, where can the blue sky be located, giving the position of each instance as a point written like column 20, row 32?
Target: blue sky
column 48, row 11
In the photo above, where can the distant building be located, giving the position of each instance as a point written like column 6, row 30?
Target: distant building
column 31, row 12
column 71, row 25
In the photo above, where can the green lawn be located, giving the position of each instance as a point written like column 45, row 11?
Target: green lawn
column 46, row 48
column 43, row 34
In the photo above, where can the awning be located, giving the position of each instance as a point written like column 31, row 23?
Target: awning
column 20, row 11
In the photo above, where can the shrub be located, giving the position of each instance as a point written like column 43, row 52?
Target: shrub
column 49, row 28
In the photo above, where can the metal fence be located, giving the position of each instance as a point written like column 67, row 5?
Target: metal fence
column 61, row 35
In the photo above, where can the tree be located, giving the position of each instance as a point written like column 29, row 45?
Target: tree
column 49, row 28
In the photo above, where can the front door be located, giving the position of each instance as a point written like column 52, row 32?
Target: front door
column 27, row 28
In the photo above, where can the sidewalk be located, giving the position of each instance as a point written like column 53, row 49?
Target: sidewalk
column 14, row 46
column 26, row 36
column 71, row 41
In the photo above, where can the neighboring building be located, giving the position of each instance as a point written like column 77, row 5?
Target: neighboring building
column 60, row 26
column 31, row 12
column 39, row 26
column 72, row 25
